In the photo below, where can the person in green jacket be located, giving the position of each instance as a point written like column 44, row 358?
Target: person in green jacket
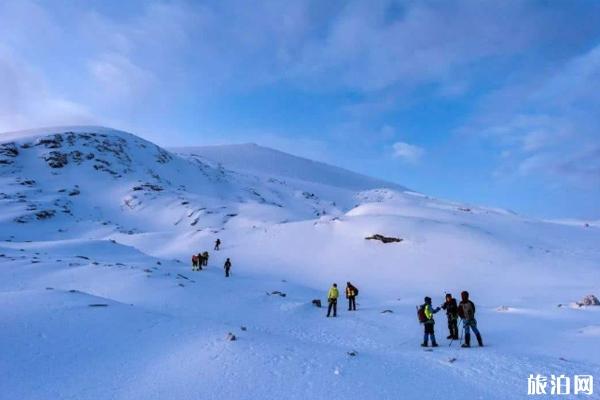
column 332, row 297
column 429, row 322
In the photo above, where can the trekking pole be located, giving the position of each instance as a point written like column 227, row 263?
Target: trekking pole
column 461, row 331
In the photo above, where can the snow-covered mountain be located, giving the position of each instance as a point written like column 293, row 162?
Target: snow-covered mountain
column 98, row 300
column 263, row 161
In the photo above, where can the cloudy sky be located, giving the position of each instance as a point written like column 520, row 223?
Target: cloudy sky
column 492, row 102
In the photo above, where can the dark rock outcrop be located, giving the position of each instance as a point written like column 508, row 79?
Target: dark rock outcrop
column 384, row 239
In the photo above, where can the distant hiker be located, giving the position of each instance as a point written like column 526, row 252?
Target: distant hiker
column 452, row 314
column 205, row 258
column 217, row 244
column 466, row 310
column 426, row 318
column 351, row 293
column 332, row 297
column 200, row 261
column 227, row 267
column 194, row 262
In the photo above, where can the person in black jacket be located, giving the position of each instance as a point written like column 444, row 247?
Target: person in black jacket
column 452, row 313
column 466, row 310
column 351, row 292
column 227, row 267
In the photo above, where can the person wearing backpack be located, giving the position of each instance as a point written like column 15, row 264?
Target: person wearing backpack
column 351, row 293
column 466, row 311
column 205, row 258
column 217, row 244
column 332, row 297
column 426, row 318
column 194, row 262
column 452, row 313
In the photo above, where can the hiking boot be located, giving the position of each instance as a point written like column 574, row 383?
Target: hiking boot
column 455, row 337
column 467, row 341
column 449, row 337
column 424, row 344
column 434, row 344
column 479, row 340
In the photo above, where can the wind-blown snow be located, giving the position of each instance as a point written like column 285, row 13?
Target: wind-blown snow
column 98, row 299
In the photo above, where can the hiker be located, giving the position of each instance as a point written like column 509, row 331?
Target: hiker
column 452, row 314
column 217, row 244
column 351, row 293
column 466, row 311
column 205, row 258
column 332, row 297
column 200, row 261
column 227, row 267
column 194, row 262
column 426, row 317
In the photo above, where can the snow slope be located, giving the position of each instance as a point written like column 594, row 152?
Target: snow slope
column 98, row 300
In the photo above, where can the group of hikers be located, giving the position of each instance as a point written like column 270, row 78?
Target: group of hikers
column 201, row 259
column 334, row 293
column 465, row 310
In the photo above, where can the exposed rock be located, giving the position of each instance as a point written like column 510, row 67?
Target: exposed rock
column 163, row 156
column 9, row 150
column 277, row 292
column 589, row 300
column 317, row 303
column 98, row 305
column 231, row 337
column 50, row 142
column 45, row 214
column 387, row 312
column 352, row 353
column 148, row 186
column 56, row 159
column 384, row 239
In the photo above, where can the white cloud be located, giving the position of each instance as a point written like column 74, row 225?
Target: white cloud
column 407, row 152
column 118, row 79
column 549, row 126
column 26, row 101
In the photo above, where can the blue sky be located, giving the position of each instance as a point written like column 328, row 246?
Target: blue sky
column 490, row 102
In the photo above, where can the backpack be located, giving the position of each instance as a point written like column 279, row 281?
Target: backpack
column 355, row 291
column 421, row 314
column 468, row 310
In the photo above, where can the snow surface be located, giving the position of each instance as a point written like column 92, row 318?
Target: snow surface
column 99, row 300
